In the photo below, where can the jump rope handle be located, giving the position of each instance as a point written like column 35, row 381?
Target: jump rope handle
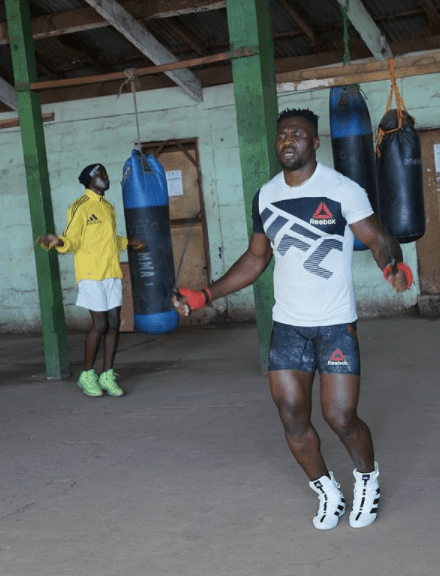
column 394, row 267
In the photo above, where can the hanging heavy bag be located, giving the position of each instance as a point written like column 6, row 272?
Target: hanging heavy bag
column 146, row 209
column 399, row 172
column 352, row 141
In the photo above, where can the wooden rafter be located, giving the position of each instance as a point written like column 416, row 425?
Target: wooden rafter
column 169, row 8
column 14, row 122
column 81, row 20
column 300, row 22
column 81, row 53
column 354, row 73
column 147, row 44
column 144, row 11
column 432, row 14
column 367, row 29
column 307, row 79
column 165, row 68
column 223, row 75
column 187, row 37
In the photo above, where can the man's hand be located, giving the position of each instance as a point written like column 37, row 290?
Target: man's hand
column 135, row 244
column 402, row 279
column 180, row 304
column 50, row 240
column 184, row 300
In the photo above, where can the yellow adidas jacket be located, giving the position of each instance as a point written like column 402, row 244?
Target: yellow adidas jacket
column 91, row 236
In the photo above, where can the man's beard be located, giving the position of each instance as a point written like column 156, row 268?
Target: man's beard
column 295, row 163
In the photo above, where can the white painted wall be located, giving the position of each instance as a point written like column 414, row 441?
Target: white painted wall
column 103, row 130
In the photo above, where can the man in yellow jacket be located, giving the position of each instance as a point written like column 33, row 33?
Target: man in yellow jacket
column 91, row 236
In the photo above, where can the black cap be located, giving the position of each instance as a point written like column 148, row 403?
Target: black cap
column 87, row 174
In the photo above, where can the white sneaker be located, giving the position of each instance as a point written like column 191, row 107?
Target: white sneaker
column 331, row 502
column 366, row 498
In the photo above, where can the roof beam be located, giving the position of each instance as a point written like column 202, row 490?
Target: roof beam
column 299, row 21
column 355, row 73
column 368, row 31
column 170, row 8
column 431, row 13
column 223, row 75
column 145, row 42
column 7, row 94
column 186, row 36
column 172, row 66
column 81, row 20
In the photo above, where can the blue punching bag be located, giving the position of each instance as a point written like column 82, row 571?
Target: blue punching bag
column 147, row 216
column 352, row 142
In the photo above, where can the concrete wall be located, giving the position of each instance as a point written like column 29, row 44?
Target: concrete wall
column 104, row 130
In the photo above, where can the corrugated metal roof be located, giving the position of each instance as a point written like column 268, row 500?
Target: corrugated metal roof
column 189, row 36
column 49, row 6
column 319, row 13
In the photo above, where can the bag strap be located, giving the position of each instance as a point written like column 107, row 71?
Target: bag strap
column 400, row 107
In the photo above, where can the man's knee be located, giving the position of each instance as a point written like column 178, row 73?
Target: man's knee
column 291, row 392
column 341, row 422
column 114, row 324
column 114, row 319
column 294, row 417
column 99, row 323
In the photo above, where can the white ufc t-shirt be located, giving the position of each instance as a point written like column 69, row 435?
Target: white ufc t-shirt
column 308, row 227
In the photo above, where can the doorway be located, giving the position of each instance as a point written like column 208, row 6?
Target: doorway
column 180, row 159
column 428, row 247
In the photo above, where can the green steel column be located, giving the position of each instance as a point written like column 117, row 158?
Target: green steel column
column 37, row 177
column 256, row 106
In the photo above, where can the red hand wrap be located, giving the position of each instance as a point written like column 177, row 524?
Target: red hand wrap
column 195, row 298
column 404, row 268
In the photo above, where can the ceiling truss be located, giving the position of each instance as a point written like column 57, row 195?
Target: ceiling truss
column 133, row 18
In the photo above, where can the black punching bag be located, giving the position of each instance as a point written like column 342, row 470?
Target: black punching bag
column 352, row 141
column 400, row 178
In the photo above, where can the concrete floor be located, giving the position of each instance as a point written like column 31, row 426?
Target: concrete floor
column 189, row 473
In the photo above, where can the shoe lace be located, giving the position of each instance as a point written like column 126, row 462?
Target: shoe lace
column 330, row 498
column 91, row 378
column 111, row 379
column 362, row 490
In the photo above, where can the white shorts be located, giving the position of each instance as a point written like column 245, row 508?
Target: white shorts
column 100, row 295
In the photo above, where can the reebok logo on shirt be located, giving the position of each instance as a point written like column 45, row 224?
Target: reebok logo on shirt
column 337, row 359
column 322, row 216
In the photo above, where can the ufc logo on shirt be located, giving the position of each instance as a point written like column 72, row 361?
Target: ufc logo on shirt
column 323, row 215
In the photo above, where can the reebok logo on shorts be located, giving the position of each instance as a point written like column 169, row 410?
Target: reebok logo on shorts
column 337, row 359
column 93, row 219
column 322, row 216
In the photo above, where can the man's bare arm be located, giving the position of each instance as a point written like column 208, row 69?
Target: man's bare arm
column 385, row 249
column 246, row 269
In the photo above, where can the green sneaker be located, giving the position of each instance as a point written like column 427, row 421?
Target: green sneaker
column 88, row 382
column 107, row 382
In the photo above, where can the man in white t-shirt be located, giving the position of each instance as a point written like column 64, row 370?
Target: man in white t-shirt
column 307, row 217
